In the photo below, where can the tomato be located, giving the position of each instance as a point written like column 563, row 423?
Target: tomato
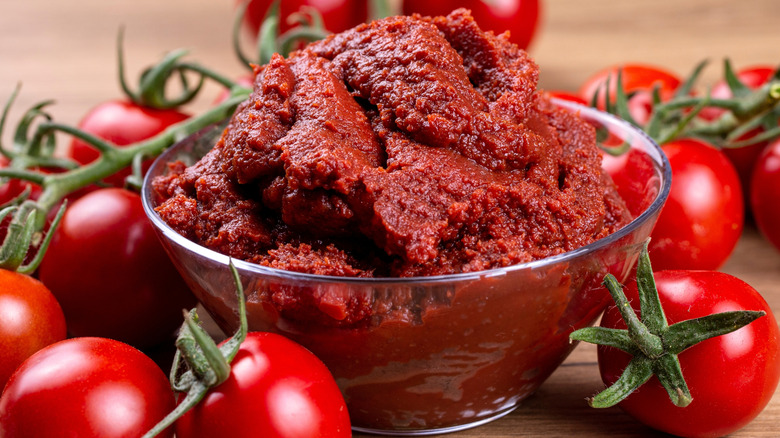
column 519, row 17
column 743, row 158
column 337, row 15
column 638, row 82
column 12, row 188
column 276, row 388
column 634, row 175
column 703, row 217
column 110, row 273
column 765, row 193
column 731, row 377
column 122, row 123
column 85, row 387
column 30, row 319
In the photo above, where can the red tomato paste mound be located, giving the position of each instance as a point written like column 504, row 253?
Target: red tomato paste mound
column 410, row 146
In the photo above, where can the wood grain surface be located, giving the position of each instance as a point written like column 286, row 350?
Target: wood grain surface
column 66, row 50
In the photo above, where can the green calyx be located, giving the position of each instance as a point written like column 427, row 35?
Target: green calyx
column 199, row 364
column 653, row 343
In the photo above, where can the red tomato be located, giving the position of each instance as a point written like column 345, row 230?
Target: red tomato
column 14, row 187
column 638, row 82
column 30, row 319
column 765, row 193
column 703, row 217
column 744, row 158
column 731, row 377
column 337, row 15
column 634, row 177
column 85, row 387
column 121, row 123
column 276, row 389
column 110, row 273
column 752, row 77
column 519, row 17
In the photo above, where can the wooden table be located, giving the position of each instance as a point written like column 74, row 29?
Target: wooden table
column 66, row 51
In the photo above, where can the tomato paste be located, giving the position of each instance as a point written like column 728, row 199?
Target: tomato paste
column 407, row 147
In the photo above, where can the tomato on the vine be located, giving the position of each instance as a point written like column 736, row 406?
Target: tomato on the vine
column 337, row 15
column 745, row 157
column 30, row 319
column 85, row 387
column 765, row 193
column 638, row 83
column 519, row 17
column 276, row 389
column 112, row 277
column 122, row 123
column 731, row 377
column 703, row 217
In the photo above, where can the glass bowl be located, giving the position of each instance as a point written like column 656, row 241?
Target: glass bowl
column 442, row 353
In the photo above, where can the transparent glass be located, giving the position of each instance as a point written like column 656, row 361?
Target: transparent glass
column 438, row 354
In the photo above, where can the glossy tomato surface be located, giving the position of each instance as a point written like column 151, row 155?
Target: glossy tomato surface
column 520, row 17
column 731, row 377
column 110, row 273
column 276, row 389
column 85, row 387
column 765, row 193
column 30, row 319
column 122, row 123
column 638, row 82
column 703, row 217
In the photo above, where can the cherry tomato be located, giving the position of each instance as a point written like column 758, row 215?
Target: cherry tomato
column 276, row 389
column 110, row 273
column 519, row 17
column 731, row 377
column 337, row 15
column 638, row 82
column 122, row 123
column 634, row 176
column 30, row 319
column 85, row 387
column 743, row 158
column 703, row 217
column 11, row 189
column 765, row 193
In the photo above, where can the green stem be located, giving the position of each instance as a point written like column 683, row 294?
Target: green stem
column 647, row 342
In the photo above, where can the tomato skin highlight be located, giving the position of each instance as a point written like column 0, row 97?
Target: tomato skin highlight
column 112, row 277
column 276, row 389
column 85, row 387
column 703, row 217
column 731, row 377
column 30, row 319
column 765, row 193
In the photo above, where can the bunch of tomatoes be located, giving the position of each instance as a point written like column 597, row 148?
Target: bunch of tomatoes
column 718, row 182
column 72, row 332
column 78, row 335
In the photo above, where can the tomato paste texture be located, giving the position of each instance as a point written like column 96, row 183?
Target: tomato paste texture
column 410, row 146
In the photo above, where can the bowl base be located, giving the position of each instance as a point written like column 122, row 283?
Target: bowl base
column 438, row 431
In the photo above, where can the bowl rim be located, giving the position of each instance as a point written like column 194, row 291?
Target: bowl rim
column 655, row 152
